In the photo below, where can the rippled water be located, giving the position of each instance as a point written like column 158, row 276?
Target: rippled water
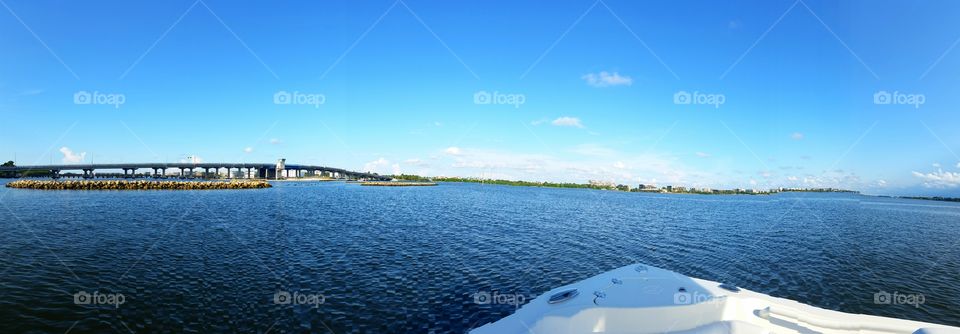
column 411, row 259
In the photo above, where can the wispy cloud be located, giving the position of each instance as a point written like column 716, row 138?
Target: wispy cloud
column 248, row 150
column 275, row 141
column 593, row 150
column 415, row 162
column 31, row 92
column 70, row 157
column 797, row 136
column 619, row 168
column 567, row 121
column 453, row 150
column 607, row 79
column 703, row 155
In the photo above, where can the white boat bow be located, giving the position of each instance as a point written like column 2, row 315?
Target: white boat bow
column 644, row 299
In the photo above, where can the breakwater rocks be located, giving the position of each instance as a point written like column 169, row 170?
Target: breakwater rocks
column 396, row 184
column 136, row 185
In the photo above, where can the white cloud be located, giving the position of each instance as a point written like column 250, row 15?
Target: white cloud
column 567, row 121
column 413, row 161
column 797, row 136
column 539, row 121
column 275, row 141
column 606, row 79
column 437, row 124
column 69, row 157
column 453, row 150
column 936, row 165
column 834, row 179
column 703, row 155
column 194, row 159
column 939, row 179
column 248, row 150
column 616, row 167
column 881, row 183
column 958, row 165
column 381, row 166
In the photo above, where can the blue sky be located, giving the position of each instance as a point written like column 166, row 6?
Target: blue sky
column 852, row 94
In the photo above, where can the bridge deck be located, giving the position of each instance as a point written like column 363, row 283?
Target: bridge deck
column 258, row 166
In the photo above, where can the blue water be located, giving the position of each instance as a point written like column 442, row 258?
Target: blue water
column 410, row 259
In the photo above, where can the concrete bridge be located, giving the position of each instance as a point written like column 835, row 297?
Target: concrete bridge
column 246, row 170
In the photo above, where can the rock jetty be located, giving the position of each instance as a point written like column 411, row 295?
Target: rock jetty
column 136, row 185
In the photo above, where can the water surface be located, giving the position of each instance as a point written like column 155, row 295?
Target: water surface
column 411, row 259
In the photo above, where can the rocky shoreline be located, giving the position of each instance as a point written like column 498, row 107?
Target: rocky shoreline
column 136, row 185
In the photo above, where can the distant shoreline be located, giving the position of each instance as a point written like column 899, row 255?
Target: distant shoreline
column 660, row 190
column 621, row 187
column 925, row 198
